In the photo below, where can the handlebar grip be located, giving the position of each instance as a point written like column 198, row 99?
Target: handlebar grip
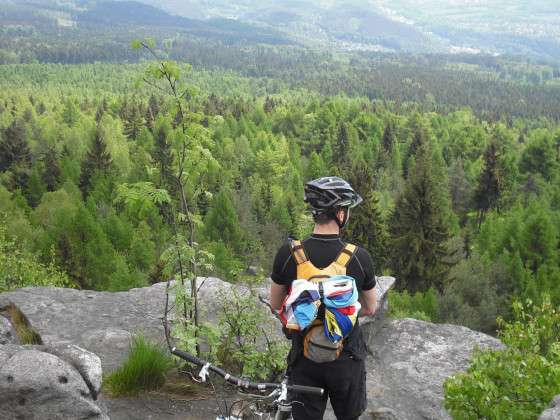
column 188, row 357
column 307, row 389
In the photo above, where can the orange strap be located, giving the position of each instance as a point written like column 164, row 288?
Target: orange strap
column 346, row 255
column 298, row 251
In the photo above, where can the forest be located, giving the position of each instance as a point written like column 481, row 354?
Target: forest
column 80, row 143
column 109, row 181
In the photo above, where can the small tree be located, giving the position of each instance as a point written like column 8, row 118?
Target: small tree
column 97, row 162
column 184, row 258
column 419, row 228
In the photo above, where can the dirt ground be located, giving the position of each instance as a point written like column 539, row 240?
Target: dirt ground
column 197, row 402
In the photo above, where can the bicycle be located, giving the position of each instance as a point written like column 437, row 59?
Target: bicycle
column 272, row 406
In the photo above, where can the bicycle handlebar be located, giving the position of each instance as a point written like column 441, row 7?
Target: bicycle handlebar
column 242, row 383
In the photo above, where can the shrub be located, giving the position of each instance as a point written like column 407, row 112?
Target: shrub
column 19, row 268
column 243, row 341
column 423, row 306
column 518, row 382
column 145, row 369
column 25, row 332
column 247, row 344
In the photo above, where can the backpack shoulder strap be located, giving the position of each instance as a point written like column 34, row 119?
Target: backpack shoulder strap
column 346, row 254
column 298, row 251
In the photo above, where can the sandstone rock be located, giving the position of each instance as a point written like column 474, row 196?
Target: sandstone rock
column 100, row 322
column 7, row 333
column 112, row 343
column 39, row 385
column 87, row 364
column 552, row 413
column 410, row 360
column 408, row 363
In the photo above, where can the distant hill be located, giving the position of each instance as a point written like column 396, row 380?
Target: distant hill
column 523, row 27
column 132, row 16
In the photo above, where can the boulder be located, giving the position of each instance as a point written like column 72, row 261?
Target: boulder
column 35, row 384
column 7, row 333
column 87, row 364
column 409, row 362
column 552, row 413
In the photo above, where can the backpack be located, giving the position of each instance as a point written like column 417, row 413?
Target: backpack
column 317, row 347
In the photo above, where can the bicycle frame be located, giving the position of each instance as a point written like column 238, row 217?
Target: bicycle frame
column 279, row 394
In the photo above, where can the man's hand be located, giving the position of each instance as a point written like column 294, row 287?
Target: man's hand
column 368, row 300
column 278, row 293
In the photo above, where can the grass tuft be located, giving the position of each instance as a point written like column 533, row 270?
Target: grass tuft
column 26, row 334
column 145, row 369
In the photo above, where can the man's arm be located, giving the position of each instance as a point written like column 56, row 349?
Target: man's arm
column 278, row 293
column 368, row 300
column 367, row 297
column 282, row 274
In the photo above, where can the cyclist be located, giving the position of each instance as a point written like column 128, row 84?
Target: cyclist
column 330, row 200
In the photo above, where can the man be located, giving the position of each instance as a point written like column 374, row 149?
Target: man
column 330, row 200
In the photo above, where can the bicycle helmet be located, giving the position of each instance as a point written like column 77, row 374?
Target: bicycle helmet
column 327, row 195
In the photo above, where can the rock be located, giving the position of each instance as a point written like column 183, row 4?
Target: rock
column 411, row 359
column 382, row 413
column 407, row 364
column 112, row 343
column 39, row 385
column 552, row 413
column 87, row 364
column 382, row 287
column 7, row 333
column 102, row 322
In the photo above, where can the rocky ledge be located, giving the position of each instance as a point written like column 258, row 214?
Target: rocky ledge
column 407, row 365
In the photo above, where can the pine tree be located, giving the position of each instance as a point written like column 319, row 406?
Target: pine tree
column 269, row 105
column 419, row 228
column 101, row 110
column 133, row 122
column 490, row 183
column 14, row 150
column 97, row 162
column 460, row 190
column 316, row 167
column 152, row 112
column 52, row 173
column 342, row 144
column 388, row 140
column 368, row 228
column 222, row 223
column 70, row 113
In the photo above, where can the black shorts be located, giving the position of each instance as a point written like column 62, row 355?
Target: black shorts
column 344, row 381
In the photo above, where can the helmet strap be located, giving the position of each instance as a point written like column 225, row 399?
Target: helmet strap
column 340, row 224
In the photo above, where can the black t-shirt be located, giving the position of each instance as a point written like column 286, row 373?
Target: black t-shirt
column 322, row 250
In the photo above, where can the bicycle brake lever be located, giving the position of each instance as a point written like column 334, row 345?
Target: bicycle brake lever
column 203, row 374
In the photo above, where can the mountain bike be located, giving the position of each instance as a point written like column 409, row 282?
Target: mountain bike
column 274, row 405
